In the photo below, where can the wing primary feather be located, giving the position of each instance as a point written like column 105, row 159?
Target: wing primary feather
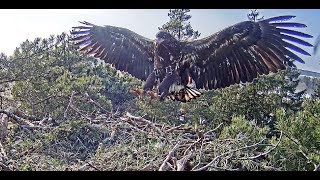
column 80, row 32
column 295, row 48
column 296, row 40
column 279, row 18
column 82, row 27
column 206, row 79
column 280, row 45
column 103, row 54
column 294, row 56
column 86, row 23
column 87, row 47
column 293, row 32
column 297, row 25
column 82, row 43
column 94, row 48
column 82, row 38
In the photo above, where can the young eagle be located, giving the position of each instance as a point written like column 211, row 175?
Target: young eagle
column 177, row 69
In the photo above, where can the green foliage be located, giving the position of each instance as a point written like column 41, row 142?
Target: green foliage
column 244, row 129
column 157, row 111
column 255, row 101
column 299, row 148
column 292, row 100
column 48, row 72
column 241, row 136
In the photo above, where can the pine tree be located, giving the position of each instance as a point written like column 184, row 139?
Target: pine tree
column 179, row 25
column 254, row 16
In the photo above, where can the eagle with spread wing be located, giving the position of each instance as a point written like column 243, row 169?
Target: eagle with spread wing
column 179, row 69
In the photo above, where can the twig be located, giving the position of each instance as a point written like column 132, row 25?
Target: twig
column 142, row 131
column 213, row 129
column 3, row 158
column 182, row 162
column 47, row 98
column 194, row 143
column 200, row 156
column 94, row 167
column 145, row 167
column 5, row 167
column 179, row 128
column 17, row 119
column 226, row 153
column 146, row 121
column 174, row 128
column 96, row 103
column 69, row 104
column 2, row 151
column 265, row 153
column 169, row 156
column 82, row 143
column 12, row 80
column 78, row 111
column 265, row 166
column 24, row 116
column 17, row 112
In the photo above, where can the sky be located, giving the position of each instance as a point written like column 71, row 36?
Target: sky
column 19, row 25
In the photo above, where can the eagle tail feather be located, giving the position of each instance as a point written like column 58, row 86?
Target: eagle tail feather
column 187, row 94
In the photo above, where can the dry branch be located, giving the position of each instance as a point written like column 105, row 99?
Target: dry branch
column 3, row 158
column 145, row 121
column 18, row 119
column 181, row 163
column 265, row 153
column 226, row 153
column 69, row 104
column 170, row 154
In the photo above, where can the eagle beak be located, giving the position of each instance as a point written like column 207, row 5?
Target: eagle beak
column 159, row 40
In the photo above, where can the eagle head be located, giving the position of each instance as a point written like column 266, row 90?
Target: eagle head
column 164, row 36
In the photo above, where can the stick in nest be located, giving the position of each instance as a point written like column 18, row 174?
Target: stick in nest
column 162, row 167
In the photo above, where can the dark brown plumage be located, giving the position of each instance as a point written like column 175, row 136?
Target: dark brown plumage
column 177, row 69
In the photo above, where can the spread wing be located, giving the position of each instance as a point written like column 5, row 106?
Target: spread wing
column 124, row 49
column 242, row 52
